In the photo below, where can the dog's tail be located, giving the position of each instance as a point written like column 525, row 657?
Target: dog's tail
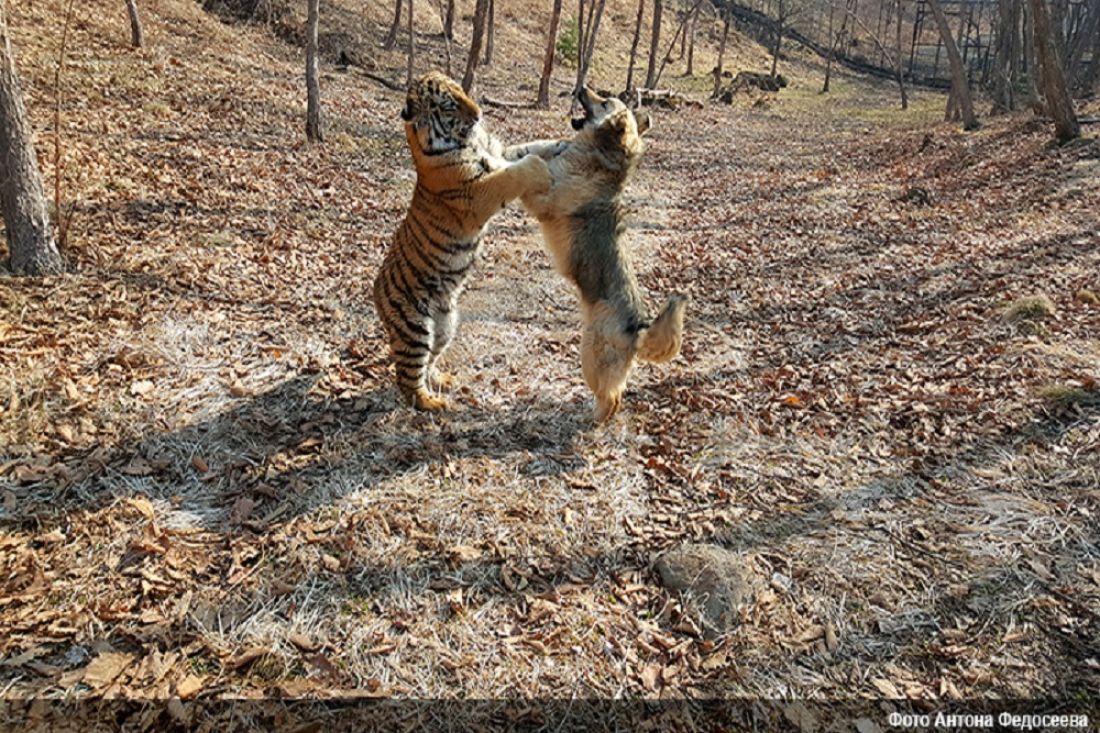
column 661, row 341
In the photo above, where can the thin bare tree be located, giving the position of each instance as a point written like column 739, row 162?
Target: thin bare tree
column 31, row 245
column 1006, row 60
column 391, row 37
column 446, row 38
column 449, row 21
column 690, row 70
column 634, row 46
column 675, row 37
column 412, row 49
column 481, row 10
column 543, row 101
column 960, row 86
column 137, row 34
column 1053, row 78
column 782, row 16
column 588, row 48
column 654, row 41
column 490, row 33
column 314, row 132
column 721, row 51
column 894, row 61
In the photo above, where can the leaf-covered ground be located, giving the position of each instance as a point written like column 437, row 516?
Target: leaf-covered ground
column 887, row 401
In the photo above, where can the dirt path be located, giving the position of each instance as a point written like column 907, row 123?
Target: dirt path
column 206, row 475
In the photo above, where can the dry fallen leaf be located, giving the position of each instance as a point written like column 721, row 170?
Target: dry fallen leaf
column 141, row 387
column 887, row 688
column 143, row 505
column 106, row 668
column 650, row 676
column 189, row 687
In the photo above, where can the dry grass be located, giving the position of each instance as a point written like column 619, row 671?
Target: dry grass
column 1031, row 308
column 205, row 466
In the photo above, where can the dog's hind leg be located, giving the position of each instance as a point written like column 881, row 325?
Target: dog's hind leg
column 606, row 358
column 662, row 340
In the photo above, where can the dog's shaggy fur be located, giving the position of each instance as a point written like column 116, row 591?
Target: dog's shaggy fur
column 582, row 222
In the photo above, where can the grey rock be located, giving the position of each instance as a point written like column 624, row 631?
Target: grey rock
column 719, row 583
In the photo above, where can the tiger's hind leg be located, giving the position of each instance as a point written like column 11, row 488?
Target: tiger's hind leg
column 410, row 338
column 444, row 323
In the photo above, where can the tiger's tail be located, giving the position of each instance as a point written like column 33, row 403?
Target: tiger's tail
column 661, row 340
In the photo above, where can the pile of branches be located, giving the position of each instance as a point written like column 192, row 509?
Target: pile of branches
column 748, row 80
column 262, row 11
column 663, row 98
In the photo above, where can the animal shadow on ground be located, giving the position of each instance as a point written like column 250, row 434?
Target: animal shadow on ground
column 293, row 449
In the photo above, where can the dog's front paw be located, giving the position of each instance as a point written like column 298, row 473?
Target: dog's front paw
column 539, row 179
column 557, row 148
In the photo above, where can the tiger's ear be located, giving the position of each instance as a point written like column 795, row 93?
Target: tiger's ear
column 644, row 121
column 406, row 113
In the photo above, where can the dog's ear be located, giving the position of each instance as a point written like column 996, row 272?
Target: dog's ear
column 644, row 121
column 609, row 141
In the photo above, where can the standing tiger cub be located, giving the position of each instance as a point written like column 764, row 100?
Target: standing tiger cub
column 463, row 177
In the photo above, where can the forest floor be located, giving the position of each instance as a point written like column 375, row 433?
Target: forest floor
column 887, row 401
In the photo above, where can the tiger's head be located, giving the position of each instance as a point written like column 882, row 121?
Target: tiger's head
column 438, row 115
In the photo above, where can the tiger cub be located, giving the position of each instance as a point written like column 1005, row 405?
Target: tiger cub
column 463, row 177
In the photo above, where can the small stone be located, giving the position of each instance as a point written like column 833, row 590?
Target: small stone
column 717, row 581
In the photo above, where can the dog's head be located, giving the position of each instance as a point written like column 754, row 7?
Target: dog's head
column 616, row 130
column 598, row 110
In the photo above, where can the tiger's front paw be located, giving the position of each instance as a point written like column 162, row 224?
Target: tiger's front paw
column 537, row 176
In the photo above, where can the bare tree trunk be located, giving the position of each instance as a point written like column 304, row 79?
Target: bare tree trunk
column 1004, row 75
column 449, row 21
column 634, row 46
column 31, row 244
column 1087, row 39
column 889, row 57
column 690, row 71
column 897, row 40
column 391, row 37
column 490, row 32
column 721, row 53
column 683, row 40
column 412, row 49
column 654, row 41
column 314, row 133
column 1059, row 104
column 481, row 10
column 446, row 38
column 833, row 41
column 778, row 37
column 582, row 25
column 591, row 33
column 959, row 84
column 543, row 101
column 137, row 35
column 675, row 37
column 1090, row 80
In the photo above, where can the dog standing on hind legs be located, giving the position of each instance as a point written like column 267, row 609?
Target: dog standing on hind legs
column 582, row 223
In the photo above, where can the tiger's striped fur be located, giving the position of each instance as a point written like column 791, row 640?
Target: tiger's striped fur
column 463, row 177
